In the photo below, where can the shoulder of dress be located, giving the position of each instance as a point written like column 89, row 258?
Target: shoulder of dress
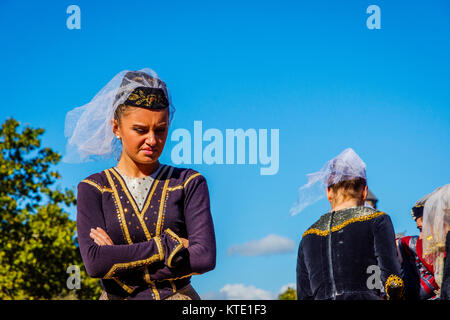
column 343, row 219
column 97, row 180
column 358, row 214
column 320, row 227
column 182, row 177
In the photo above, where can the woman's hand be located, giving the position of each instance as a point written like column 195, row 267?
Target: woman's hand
column 185, row 242
column 100, row 237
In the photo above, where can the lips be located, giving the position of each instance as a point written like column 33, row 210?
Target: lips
column 148, row 150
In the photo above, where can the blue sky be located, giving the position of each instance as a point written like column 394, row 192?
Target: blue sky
column 311, row 69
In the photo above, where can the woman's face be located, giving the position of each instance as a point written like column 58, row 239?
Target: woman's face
column 143, row 133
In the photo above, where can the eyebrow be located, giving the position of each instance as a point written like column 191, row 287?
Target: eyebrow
column 146, row 126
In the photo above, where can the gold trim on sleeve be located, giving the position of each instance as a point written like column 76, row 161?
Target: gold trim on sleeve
column 147, row 276
column 177, row 248
column 174, row 288
column 124, row 286
column 134, row 264
column 181, row 277
column 160, row 247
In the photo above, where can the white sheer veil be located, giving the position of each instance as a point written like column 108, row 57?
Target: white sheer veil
column 346, row 166
column 88, row 128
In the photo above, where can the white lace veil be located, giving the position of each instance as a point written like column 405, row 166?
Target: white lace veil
column 436, row 224
column 346, row 166
column 88, row 128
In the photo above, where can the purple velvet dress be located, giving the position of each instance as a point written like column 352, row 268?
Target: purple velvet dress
column 147, row 260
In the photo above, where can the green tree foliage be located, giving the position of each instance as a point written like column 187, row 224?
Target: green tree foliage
column 37, row 237
column 289, row 294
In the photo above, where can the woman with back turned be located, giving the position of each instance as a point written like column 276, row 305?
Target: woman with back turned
column 350, row 252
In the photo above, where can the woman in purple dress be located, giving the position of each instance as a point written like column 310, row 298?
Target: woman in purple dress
column 143, row 227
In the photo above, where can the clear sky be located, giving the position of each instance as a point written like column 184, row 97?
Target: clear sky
column 311, row 69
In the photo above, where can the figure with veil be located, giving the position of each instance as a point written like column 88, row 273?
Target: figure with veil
column 416, row 271
column 436, row 237
column 350, row 252
column 144, row 228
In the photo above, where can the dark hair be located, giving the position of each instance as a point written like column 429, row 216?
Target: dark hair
column 349, row 188
column 120, row 111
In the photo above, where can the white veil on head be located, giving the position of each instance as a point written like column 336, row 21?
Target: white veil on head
column 435, row 225
column 88, row 128
column 346, row 166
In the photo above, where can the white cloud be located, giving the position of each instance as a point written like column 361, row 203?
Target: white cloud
column 240, row 292
column 286, row 286
column 271, row 244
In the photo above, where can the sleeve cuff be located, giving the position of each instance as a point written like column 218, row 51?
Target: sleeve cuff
column 173, row 246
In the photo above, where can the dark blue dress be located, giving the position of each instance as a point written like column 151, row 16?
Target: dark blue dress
column 147, row 260
column 341, row 251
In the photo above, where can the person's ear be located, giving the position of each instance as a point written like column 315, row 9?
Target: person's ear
column 115, row 127
column 330, row 194
column 365, row 191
